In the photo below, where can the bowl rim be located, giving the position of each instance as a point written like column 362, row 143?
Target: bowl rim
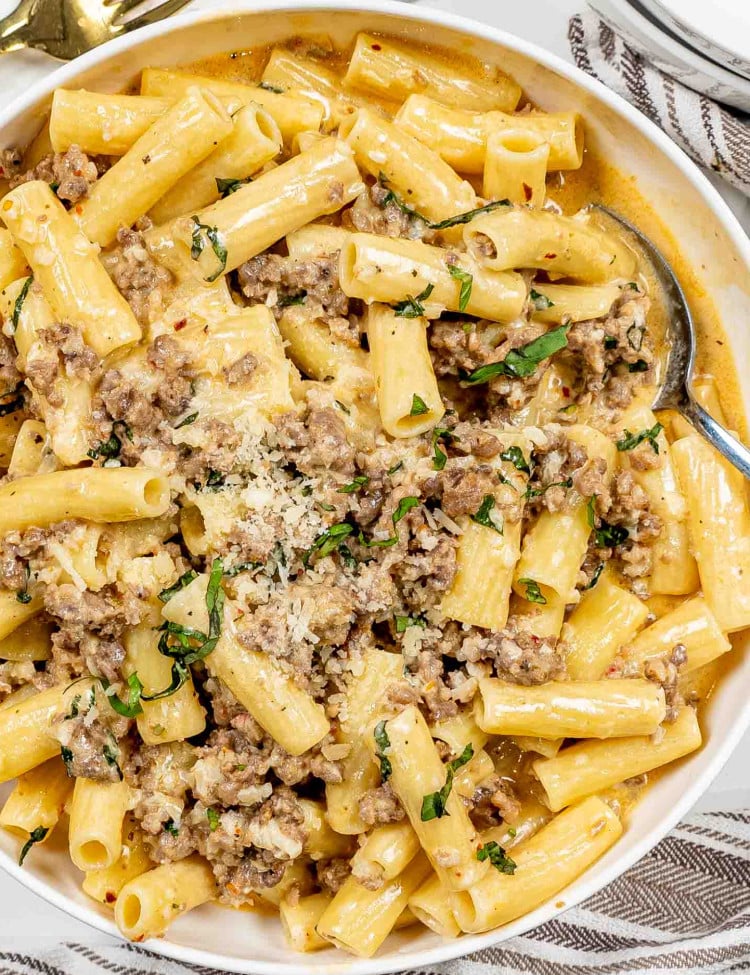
column 381, row 965
column 715, row 45
column 682, row 54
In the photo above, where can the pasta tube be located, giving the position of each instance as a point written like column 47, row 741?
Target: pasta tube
column 310, row 185
column 545, row 864
column 592, row 766
column 359, row 920
column 515, row 167
column 448, row 840
column 29, row 641
column 573, row 302
column 299, row 919
column 98, row 494
column 384, row 854
column 719, row 524
column 390, row 70
column 12, row 260
column 104, row 885
column 570, row 246
column 674, row 570
column 24, row 732
column 169, row 149
column 254, row 140
column 37, row 800
column 691, row 625
column 291, row 112
column 408, row 396
column 460, row 136
column 96, row 817
column 100, row 123
column 391, row 269
column 281, row 707
column 422, row 179
column 571, row 709
column 148, row 904
column 67, row 413
column 14, row 612
column 67, row 268
column 606, row 618
column 431, row 904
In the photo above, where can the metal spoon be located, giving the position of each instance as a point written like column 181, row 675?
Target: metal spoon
column 675, row 392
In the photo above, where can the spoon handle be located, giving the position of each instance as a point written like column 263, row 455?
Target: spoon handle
column 728, row 446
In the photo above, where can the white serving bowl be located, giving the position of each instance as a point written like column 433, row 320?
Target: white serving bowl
column 720, row 29
column 684, row 63
column 711, row 241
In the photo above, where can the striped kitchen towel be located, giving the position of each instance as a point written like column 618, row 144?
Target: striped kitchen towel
column 712, row 135
column 684, row 908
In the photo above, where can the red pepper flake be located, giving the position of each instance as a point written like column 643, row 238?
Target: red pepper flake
column 527, row 192
column 566, row 392
column 110, row 897
column 77, row 172
column 178, row 326
column 550, row 256
column 79, row 208
column 376, row 47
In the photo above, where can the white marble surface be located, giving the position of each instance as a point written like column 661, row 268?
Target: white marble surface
column 26, row 919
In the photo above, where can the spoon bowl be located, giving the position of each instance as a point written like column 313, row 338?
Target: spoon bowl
column 675, row 391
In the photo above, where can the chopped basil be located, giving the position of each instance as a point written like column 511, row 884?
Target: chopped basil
column 328, row 541
column 537, row 492
column 343, row 407
column 493, row 852
column 640, row 365
column 217, row 246
column 512, row 831
column 171, row 827
column 523, row 362
column 468, row 216
column 467, row 283
column 74, row 705
column 187, row 421
column 346, row 556
column 404, row 507
column 111, row 753
column 14, row 403
column 483, row 515
column 433, row 805
column 23, row 596
column 185, row 579
column 440, row 458
column 630, row 440
column 213, row 819
column 540, row 301
column 185, row 645
column 383, row 741
column 595, row 577
column 215, row 480
column 635, row 337
column 360, row 481
column 413, row 307
column 228, row 186
column 235, row 570
column 396, row 467
column 131, row 707
column 606, row 536
column 297, row 298
column 395, row 199
column 18, row 303
column 35, row 836
column 610, row 342
column 517, row 459
column 418, row 406
column 66, row 754
column 269, row 87
column 109, row 449
column 404, row 622
column 533, row 592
